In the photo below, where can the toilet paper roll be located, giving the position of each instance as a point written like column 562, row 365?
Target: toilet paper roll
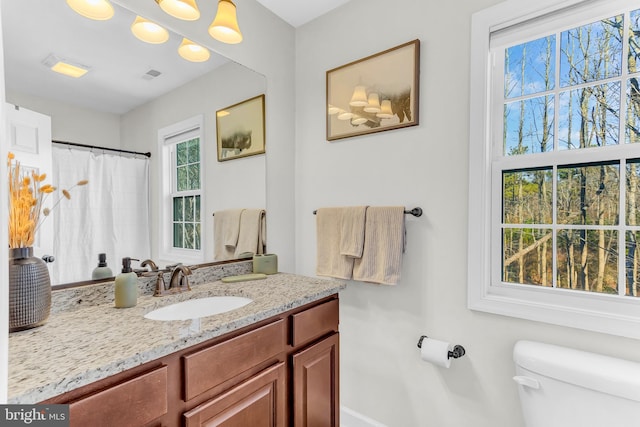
column 436, row 352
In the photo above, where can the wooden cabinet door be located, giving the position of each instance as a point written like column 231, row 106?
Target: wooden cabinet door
column 258, row 402
column 315, row 385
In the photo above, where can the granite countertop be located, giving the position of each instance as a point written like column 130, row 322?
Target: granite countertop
column 78, row 347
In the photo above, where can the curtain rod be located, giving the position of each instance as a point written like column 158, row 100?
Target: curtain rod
column 117, row 150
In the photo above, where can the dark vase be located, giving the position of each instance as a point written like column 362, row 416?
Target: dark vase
column 29, row 290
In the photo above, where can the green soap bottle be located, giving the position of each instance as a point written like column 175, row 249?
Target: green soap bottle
column 101, row 271
column 126, row 286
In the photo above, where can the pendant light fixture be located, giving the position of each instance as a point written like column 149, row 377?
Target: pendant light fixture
column 99, row 10
column 193, row 52
column 182, row 9
column 225, row 27
column 148, row 31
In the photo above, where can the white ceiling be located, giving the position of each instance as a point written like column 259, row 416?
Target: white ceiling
column 34, row 29
column 298, row 12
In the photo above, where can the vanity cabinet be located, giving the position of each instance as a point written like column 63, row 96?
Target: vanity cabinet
column 279, row 372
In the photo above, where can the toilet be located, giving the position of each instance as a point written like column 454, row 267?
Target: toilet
column 563, row 387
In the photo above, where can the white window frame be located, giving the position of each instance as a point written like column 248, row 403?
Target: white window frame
column 614, row 315
column 167, row 139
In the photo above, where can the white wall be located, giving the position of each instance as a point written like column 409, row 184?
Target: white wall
column 382, row 375
column 237, row 183
column 73, row 124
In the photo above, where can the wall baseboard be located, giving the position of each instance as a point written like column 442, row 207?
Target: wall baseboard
column 351, row 418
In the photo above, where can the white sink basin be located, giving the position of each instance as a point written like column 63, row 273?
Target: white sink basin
column 196, row 308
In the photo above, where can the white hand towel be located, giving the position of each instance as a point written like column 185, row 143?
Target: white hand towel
column 381, row 260
column 226, row 228
column 250, row 235
column 352, row 231
column 329, row 260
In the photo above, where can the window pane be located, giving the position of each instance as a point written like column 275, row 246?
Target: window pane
column 632, row 263
column 182, row 179
column 188, row 208
column 181, row 153
column 591, row 52
column 527, row 196
column 527, row 256
column 189, row 236
column 197, row 235
column 588, row 195
column 194, row 150
column 177, row 208
column 632, row 128
column 194, row 176
column 177, row 235
column 634, row 41
column 528, row 126
column 587, row 260
column 589, row 117
column 633, row 192
column 530, row 67
column 197, row 210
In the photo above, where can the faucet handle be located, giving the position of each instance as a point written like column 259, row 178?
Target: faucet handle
column 161, row 286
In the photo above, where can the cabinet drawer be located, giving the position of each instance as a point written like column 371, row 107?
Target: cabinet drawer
column 259, row 401
column 134, row 402
column 314, row 322
column 214, row 365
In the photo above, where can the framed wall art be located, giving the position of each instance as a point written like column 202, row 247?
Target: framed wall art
column 374, row 94
column 240, row 129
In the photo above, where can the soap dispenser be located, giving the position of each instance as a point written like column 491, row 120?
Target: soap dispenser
column 101, row 271
column 126, row 286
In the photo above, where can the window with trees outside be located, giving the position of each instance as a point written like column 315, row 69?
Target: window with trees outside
column 182, row 200
column 562, row 163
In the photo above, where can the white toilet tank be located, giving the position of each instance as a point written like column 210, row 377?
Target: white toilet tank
column 562, row 387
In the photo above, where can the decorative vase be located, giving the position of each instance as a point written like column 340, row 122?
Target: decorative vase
column 29, row 290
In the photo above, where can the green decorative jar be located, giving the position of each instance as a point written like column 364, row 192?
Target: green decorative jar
column 29, row 290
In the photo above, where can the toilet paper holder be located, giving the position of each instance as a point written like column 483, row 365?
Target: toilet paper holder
column 457, row 352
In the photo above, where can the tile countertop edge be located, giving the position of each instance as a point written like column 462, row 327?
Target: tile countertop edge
column 20, row 393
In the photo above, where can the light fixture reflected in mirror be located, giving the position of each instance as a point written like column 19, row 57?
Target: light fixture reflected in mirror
column 385, row 110
column 99, row 10
column 193, row 52
column 357, row 120
column 333, row 110
column 225, row 27
column 359, row 97
column 345, row 115
column 182, row 9
column 373, row 103
column 148, row 31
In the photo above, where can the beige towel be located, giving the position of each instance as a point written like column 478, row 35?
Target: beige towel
column 250, row 236
column 381, row 260
column 226, row 230
column 352, row 231
column 329, row 260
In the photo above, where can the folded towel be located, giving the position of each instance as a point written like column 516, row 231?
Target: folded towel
column 329, row 260
column 352, row 231
column 381, row 260
column 226, row 229
column 250, row 235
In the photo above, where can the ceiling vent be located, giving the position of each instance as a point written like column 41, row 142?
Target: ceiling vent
column 151, row 74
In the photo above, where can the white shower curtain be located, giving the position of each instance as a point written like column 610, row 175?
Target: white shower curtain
column 109, row 215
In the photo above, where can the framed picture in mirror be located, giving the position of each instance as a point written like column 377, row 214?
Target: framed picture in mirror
column 240, row 129
column 373, row 94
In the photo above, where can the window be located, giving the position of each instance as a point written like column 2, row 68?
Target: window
column 182, row 181
column 555, row 164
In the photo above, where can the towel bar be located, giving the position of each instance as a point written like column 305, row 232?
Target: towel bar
column 415, row 212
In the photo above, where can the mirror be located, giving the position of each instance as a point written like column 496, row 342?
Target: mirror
column 122, row 102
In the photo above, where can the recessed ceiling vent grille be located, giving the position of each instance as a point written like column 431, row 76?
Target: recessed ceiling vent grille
column 151, row 74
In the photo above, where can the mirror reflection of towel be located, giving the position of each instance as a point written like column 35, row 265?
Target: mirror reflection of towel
column 250, row 237
column 226, row 231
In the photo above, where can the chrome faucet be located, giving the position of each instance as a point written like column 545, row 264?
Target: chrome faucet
column 179, row 280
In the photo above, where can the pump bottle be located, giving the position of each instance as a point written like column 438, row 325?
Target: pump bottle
column 101, row 271
column 126, row 286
